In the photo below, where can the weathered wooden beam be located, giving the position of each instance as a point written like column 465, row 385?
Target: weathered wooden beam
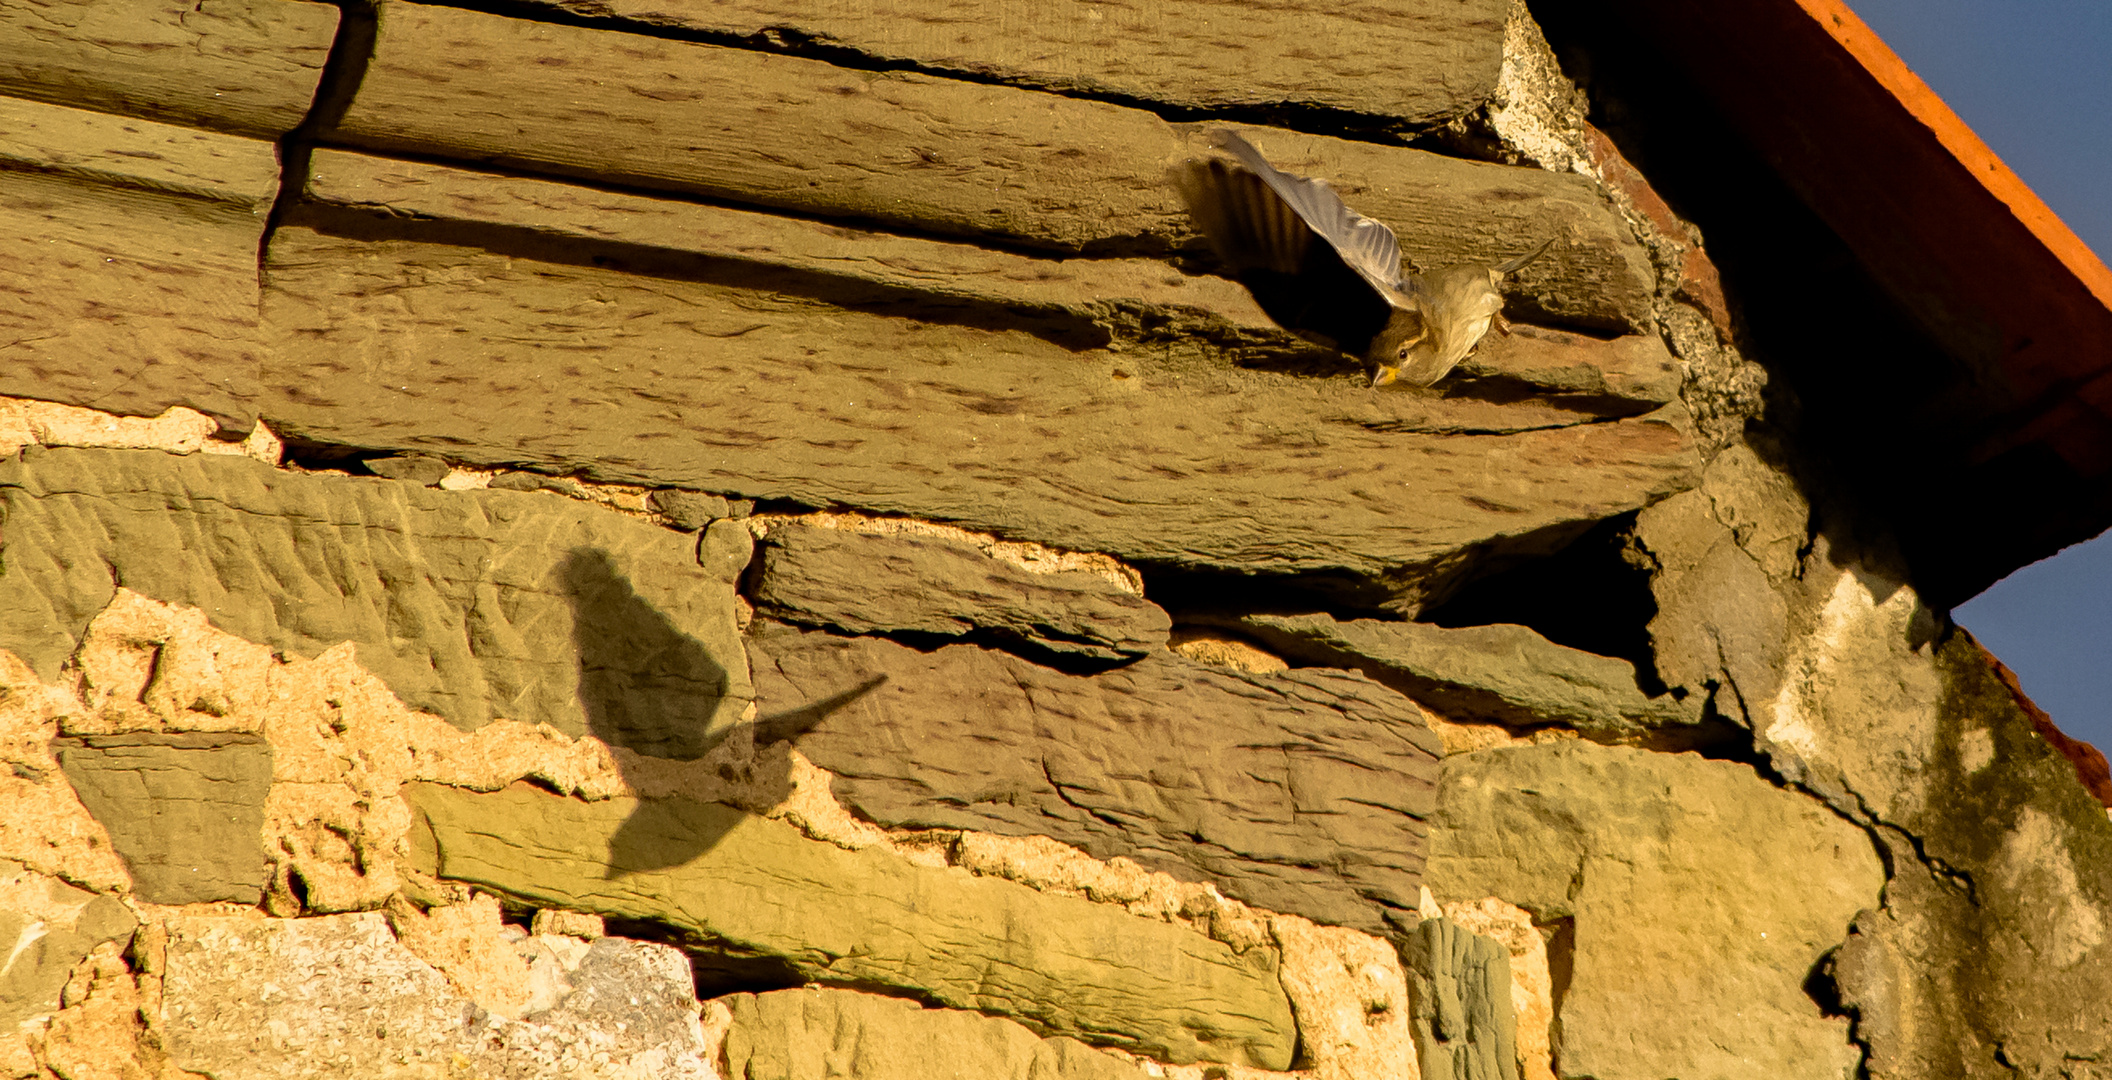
column 932, row 155
column 697, row 378
column 244, row 66
column 1405, row 64
column 128, row 260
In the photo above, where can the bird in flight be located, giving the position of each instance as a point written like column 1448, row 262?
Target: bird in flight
column 1320, row 269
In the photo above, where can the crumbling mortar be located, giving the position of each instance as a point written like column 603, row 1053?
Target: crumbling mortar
column 584, row 767
column 1538, row 117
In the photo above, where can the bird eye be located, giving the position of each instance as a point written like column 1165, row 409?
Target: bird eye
column 1402, row 353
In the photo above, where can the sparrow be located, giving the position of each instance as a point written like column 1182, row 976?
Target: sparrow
column 1322, row 270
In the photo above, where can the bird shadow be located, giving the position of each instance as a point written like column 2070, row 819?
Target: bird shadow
column 649, row 687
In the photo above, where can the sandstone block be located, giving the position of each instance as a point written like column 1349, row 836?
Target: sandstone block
column 247, row 66
column 128, row 257
column 1304, row 792
column 185, row 811
column 864, row 583
column 753, row 890
column 1537, row 378
column 1443, row 56
column 772, row 394
column 246, row 998
column 1464, row 1027
column 1640, row 849
column 929, row 154
column 691, row 510
column 817, row 1034
column 473, row 605
column 47, row 927
column 2003, row 859
column 1506, row 674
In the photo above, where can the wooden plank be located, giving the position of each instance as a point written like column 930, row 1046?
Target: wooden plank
column 1149, row 455
column 1550, row 378
column 128, row 261
column 933, row 155
column 1404, row 64
column 247, row 66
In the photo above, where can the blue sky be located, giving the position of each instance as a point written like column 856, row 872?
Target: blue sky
column 2034, row 79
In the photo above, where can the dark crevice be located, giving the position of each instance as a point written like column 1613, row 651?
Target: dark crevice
column 1190, row 259
column 1312, row 119
column 1185, row 591
column 1905, row 470
column 1071, row 330
column 1589, row 595
column 343, row 70
column 923, row 641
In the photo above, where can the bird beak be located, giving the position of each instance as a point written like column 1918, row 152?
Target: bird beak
column 1518, row 263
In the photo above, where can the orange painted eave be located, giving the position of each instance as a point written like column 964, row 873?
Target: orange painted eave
column 1921, row 103
column 1966, row 247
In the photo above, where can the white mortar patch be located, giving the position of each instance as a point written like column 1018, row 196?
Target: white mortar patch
column 2037, row 862
column 1976, row 750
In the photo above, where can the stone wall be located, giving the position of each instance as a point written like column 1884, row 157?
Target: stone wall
column 748, row 540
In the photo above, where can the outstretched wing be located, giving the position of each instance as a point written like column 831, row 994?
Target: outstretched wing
column 1364, row 245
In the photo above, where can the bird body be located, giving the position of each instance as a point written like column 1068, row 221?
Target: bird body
column 1318, row 268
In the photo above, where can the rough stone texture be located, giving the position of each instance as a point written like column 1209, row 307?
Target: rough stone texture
column 1351, row 998
column 1989, row 956
column 1724, row 561
column 342, row 744
column 423, row 469
column 1721, row 626
column 248, row 66
column 46, row 928
column 254, row 999
column 1304, row 792
column 102, row 1030
column 1676, row 859
column 864, row 583
column 475, row 605
column 1464, row 1027
column 1443, row 57
column 1502, row 673
column 43, row 825
column 822, row 1034
column 929, row 154
column 745, row 888
column 1532, row 987
column 185, row 811
column 1542, row 378
column 177, row 430
column 134, row 243
column 774, row 395
column 691, row 510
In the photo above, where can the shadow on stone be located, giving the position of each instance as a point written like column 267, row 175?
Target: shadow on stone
column 645, row 685
column 648, row 687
